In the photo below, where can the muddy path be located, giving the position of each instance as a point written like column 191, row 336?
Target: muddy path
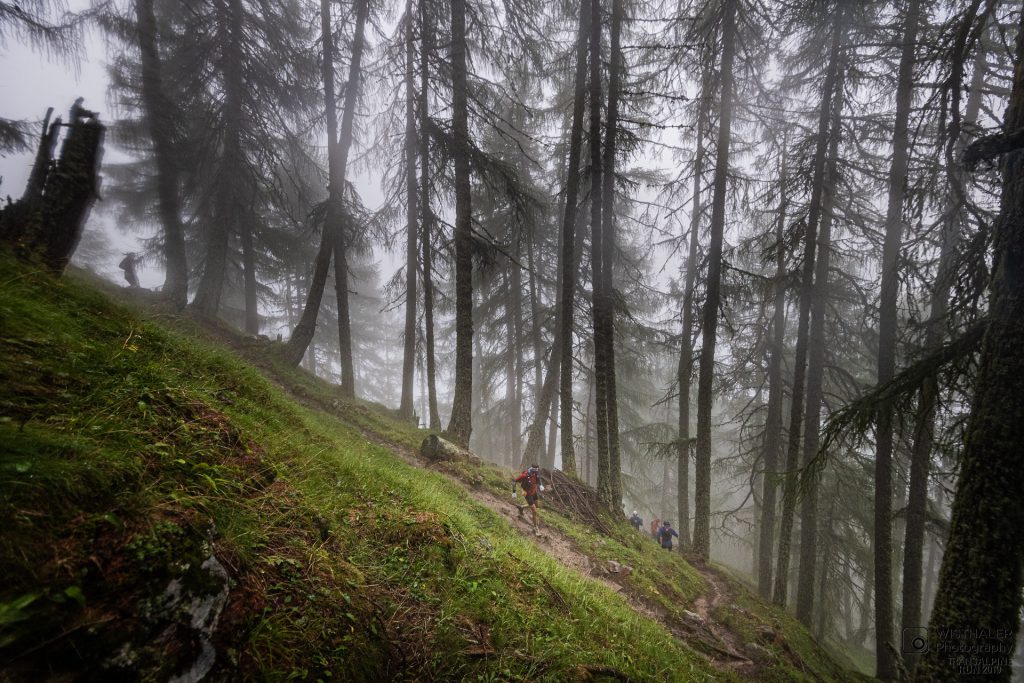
column 699, row 628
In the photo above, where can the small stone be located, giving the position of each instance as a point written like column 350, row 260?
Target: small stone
column 693, row 616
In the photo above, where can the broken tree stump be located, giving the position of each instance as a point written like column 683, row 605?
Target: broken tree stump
column 46, row 223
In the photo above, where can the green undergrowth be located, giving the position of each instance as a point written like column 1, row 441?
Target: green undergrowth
column 131, row 453
column 667, row 582
column 137, row 447
column 796, row 655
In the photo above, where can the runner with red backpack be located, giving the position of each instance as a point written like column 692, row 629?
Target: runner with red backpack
column 530, row 481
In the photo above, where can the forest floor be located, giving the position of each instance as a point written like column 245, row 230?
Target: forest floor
column 180, row 501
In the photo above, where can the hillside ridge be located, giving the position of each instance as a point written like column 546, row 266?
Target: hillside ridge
column 173, row 513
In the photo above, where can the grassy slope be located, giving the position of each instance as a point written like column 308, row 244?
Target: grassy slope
column 131, row 446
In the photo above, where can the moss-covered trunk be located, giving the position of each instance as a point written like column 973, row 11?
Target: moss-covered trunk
column 977, row 608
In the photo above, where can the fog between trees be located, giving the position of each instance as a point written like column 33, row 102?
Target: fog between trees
column 750, row 266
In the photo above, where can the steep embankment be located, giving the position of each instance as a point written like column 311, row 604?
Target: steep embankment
column 174, row 511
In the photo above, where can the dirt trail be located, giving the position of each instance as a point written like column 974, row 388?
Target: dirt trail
column 700, row 628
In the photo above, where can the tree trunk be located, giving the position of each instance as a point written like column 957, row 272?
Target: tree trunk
column 979, row 596
column 616, row 63
column 461, row 424
column 924, row 427
column 513, row 370
column 252, row 313
column 822, row 612
column 815, row 376
column 549, row 453
column 232, row 163
column 160, row 122
column 516, row 340
column 831, row 85
column 560, row 361
column 605, row 492
column 709, row 322
column 406, row 405
column 544, row 392
column 536, row 330
column 337, row 162
column 341, row 272
column 588, row 450
column 43, row 162
column 46, row 224
column 928, row 597
column 864, row 618
column 426, row 217
column 341, row 236
column 685, row 369
column 776, row 396
column 887, row 337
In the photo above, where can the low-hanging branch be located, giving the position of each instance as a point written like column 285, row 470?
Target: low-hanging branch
column 992, row 146
column 859, row 415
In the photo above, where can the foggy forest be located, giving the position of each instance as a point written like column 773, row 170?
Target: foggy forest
column 751, row 271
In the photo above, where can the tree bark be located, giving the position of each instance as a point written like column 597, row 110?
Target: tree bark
column 406, row 405
column 709, row 322
column 160, row 123
column 829, row 89
column 341, row 273
column 513, row 359
column 979, row 595
column 461, row 424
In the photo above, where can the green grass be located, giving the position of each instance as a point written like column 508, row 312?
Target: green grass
column 133, row 443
